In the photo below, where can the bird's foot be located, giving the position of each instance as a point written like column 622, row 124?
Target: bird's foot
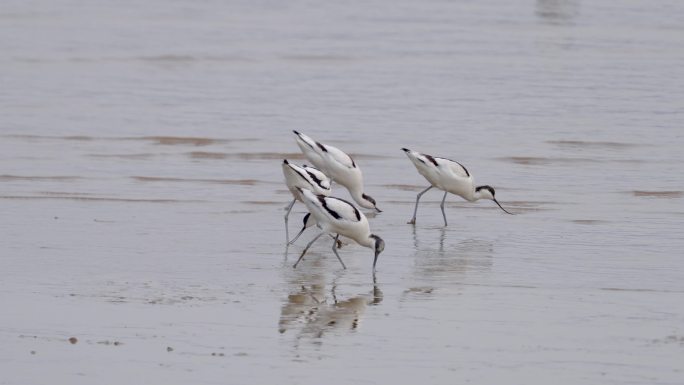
column 339, row 244
column 411, row 222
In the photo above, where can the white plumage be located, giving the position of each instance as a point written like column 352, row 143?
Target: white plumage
column 309, row 221
column 338, row 217
column 450, row 177
column 306, row 177
column 339, row 166
column 303, row 177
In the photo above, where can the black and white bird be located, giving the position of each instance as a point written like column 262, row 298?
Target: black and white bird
column 308, row 221
column 304, row 177
column 450, row 177
column 338, row 217
column 339, row 166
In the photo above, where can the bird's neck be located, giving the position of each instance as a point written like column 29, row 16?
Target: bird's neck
column 357, row 195
column 474, row 196
column 483, row 192
column 368, row 242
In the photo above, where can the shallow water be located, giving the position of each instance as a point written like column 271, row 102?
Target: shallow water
column 142, row 195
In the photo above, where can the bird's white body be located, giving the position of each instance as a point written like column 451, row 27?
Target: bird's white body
column 309, row 221
column 450, row 177
column 303, row 177
column 338, row 217
column 445, row 174
column 338, row 165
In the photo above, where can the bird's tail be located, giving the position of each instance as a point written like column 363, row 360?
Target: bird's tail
column 409, row 153
column 306, row 139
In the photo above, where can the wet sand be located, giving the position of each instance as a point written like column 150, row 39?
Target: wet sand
column 181, row 276
column 142, row 196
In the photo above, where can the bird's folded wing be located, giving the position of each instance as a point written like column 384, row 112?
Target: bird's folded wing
column 318, row 177
column 306, row 140
column 340, row 156
column 425, row 159
column 454, row 167
column 339, row 209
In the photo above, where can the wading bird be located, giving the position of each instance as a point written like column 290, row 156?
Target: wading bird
column 338, row 217
column 450, row 177
column 308, row 221
column 304, row 177
column 339, row 166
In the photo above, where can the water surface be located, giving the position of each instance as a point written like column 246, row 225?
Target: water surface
column 142, row 195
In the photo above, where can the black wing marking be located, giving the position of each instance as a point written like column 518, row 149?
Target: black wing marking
column 356, row 211
column 334, row 213
column 458, row 163
column 315, row 179
column 431, row 159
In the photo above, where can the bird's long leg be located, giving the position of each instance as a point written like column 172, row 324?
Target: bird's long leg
column 415, row 210
column 307, row 248
column 334, row 248
column 332, row 291
column 339, row 243
column 287, row 214
column 442, row 206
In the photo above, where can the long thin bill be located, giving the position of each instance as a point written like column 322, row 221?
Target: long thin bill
column 296, row 237
column 497, row 202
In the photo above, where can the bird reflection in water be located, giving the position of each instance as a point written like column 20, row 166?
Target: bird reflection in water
column 557, row 11
column 451, row 259
column 313, row 311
